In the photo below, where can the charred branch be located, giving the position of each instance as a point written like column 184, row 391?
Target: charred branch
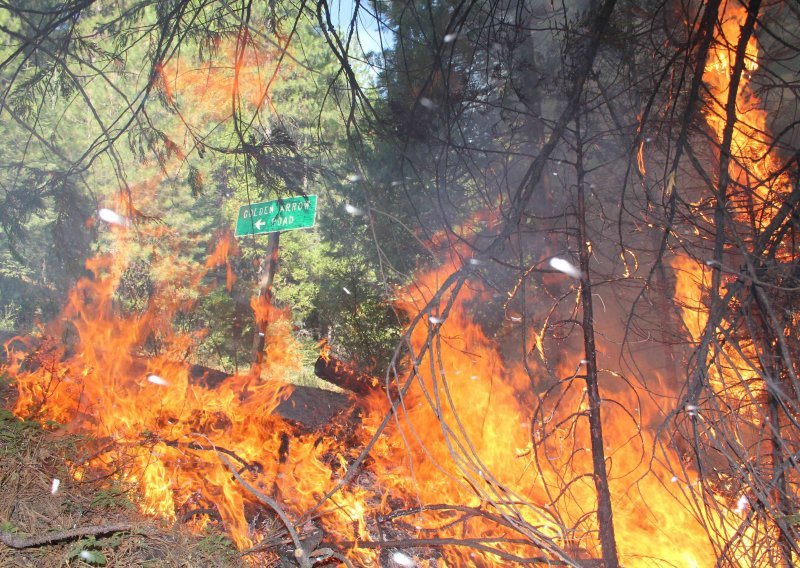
column 338, row 373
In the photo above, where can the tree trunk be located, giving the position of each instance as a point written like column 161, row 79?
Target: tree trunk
column 265, row 301
column 605, row 519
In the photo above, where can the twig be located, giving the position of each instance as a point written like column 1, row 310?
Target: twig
column 14, row 541
column 301, row 554
column 219, row 449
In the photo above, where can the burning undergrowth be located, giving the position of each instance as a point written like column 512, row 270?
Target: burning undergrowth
column 463, row 464
column 42, row 503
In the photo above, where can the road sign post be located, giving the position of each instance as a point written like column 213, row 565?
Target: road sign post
column 272, row 217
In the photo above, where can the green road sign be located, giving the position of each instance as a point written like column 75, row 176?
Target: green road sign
column 285, row 214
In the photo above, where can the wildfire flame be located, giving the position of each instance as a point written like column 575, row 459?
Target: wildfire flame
column 472, row 454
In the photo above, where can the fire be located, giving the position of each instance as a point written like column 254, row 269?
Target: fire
column 472, row 454
column 105, row 389
column 753, row 169
column 244, row 70
column 735, row 376
column 478, row 450
column 466, row 457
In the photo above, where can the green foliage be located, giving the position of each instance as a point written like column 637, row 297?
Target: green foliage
column 228, row 325
column 135, row 287
column 360, row 322
column 112, row 497
column 15, row 433
column 8, row 527
column 89, row 549
column 218, row 545
column 9, row 315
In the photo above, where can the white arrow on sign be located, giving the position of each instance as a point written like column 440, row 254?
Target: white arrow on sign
column 258, row 224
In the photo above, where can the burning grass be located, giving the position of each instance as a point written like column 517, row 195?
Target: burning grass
column 51, row 515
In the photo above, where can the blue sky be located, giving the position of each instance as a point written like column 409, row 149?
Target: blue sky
column 342, row 11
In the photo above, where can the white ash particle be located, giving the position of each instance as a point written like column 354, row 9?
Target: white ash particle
column 742, row 504
column 54, row 487
column 516, row 319
column 427, row 103
column 156, row 380
column 674, row 479
column 354, row 177
column 90, row 556
column 565, row 266
column 434, row 320
column 353, row 210
column 450, row 38
column 346, row 291
column 475, row 261
column 112, row 217
column 584, row 361
column 403, row 559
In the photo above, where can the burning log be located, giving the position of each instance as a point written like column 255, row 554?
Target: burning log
column 333, row 371
column 308, row 406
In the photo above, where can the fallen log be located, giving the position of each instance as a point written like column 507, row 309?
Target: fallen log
column 335, row 372
column 15, row 541
column 309, row 407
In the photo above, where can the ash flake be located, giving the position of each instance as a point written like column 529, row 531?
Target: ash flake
column 565, row 266
column 112, row 217
column 156, row 380
column 93, row 557
column 353, row 210
column 403, row 559
column 742, row 504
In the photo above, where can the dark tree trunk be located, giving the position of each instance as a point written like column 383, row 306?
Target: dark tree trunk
column 605, row 519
